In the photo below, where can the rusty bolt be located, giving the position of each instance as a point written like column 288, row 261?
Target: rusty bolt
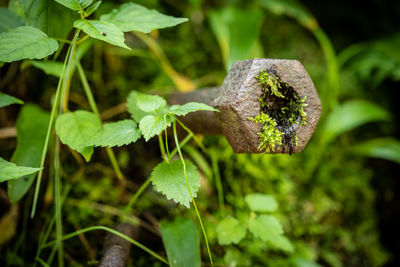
column 238, row 100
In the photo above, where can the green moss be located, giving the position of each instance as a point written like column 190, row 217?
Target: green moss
column 270, row 135
column 281, row 113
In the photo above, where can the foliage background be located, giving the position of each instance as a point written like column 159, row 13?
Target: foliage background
column 338, row 207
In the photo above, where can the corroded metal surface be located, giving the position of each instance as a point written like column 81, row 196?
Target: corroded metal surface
column 237, row 101
column 116, row 249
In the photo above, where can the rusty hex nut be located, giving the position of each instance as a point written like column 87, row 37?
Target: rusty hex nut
column 238, row 100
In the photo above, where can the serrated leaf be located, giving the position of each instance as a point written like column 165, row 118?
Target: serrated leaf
column 179, row 110
column 75, row 130
column 102, row 30
column 151, row 125
column 150, row 103
column 178, row 236
column 266, row 227
column 132, row 17
column 25, row 42
column 10, row 171
column 49, row 67
column 133, row 108
column 282, row 243
column 261, row 202
column 6, row 100
column 31, row 127
column 9, row 20
column 384, row 148
column 75, row 4
column 169, row 179
column 229, row 231
column 350, row 115
column 89, row 11
column 116, row 134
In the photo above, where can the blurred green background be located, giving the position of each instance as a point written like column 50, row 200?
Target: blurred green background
column 337, row 200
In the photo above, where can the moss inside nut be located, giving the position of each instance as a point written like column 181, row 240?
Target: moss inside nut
column 281, row 113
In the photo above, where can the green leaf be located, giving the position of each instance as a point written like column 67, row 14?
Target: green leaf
column 9, row 171
column 268, row 229
column 50, row 17
column 350, row 115
column 132, row 17
column 179, row 110
column 133, row 108
column 150, row 103
column 261, row 202
column 9, row 20
column 282, row 243
column 151, row 125
column 230, row 230
column 75, row 4
column 31, row 127
column 169, row 179
column 384, row 148
column 89, row 11
column 237, row 32
column 25, row 42
column 49, row 67
column 291, row 8
column 116, row 134
column 6, row 100
column 75, row 130
column 103, row 31
column 182, row 242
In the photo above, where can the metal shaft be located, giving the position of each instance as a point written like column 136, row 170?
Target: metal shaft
column 202, row 122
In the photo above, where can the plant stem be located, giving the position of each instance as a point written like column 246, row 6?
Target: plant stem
column 218, row 183
column 190, row 192
column 137, row 194
column 162, row 149
column 99, row 227
column 53, row 115
column 57, row 192
column 184, row 141
column 93, row 107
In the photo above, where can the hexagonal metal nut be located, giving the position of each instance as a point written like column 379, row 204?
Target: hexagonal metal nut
column 238, row 101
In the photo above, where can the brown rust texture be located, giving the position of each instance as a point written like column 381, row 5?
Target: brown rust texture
column 238, row 100
column 116, row 249
column 202, row 122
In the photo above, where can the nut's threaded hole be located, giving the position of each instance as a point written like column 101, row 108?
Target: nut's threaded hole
column 281, row 113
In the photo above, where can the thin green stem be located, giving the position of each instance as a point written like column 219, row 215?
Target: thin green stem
column 218, row 183
column 197, row 140
column 137, row 194
column 93, row 107
column 184, row 141
column 62, row 40
column 48, row 134
column 84, row 38
column 49, row 225
column 166, row 138
column 127, row 238
column 162, row 149
column 190, row 192
column 86, row 88
column 57, row 192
